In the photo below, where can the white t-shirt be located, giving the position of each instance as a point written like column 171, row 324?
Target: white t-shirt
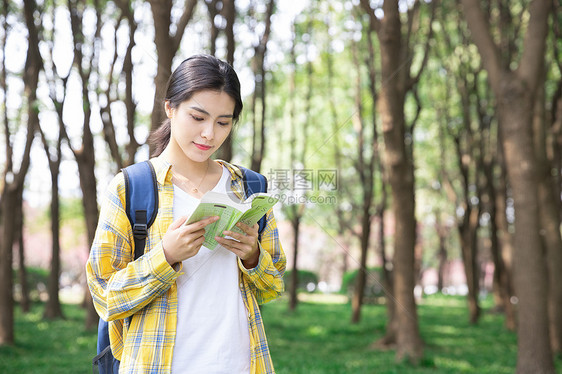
column 212, row 334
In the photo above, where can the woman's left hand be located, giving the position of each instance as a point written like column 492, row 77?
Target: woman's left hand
column 244, row 246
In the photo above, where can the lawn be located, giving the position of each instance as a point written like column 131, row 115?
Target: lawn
column 316, row 339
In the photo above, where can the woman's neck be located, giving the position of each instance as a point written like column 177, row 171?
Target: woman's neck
column 193, row 177
column 185, row 167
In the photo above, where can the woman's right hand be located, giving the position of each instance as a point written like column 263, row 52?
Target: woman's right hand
column 182, row 242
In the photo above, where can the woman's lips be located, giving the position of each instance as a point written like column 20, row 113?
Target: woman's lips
column 202, row 147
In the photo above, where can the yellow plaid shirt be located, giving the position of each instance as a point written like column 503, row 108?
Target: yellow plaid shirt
column 146, row 288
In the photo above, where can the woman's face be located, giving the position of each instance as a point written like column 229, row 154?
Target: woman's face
column 201, row 124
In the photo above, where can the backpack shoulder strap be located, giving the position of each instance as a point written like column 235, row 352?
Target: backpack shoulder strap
column 253, row 183
column 141, row 190
column 141, row 205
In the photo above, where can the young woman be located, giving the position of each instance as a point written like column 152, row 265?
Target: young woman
column 192, row 309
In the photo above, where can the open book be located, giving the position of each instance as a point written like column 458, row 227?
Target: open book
column 230, row 212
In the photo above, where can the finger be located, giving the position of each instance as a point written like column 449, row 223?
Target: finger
column 204, row 222
column 236, row 251
column 228, row 243
column 247, row 229
column 198, row 242
column 241, row 250
column 239, row 237
column 177, row 223
column 192, row 235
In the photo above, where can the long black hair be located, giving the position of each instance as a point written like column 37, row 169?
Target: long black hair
column 197, row 73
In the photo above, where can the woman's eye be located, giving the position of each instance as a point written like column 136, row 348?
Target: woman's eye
column 224, row 123
column 196, row 118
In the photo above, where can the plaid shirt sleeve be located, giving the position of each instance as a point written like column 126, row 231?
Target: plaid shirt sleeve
column 266, row 279
column 119, row 286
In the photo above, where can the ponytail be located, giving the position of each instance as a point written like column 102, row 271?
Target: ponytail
column 160, row 138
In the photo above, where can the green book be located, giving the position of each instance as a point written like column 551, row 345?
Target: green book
column 249, row 211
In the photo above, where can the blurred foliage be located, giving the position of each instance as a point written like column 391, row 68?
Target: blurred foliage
column 374, row 290
column 307, row 280
column 37, row 280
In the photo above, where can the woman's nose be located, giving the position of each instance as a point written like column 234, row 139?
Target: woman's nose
column 208, row 130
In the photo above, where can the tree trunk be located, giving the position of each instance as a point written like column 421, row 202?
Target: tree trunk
column 468, row 230
column 401, row 179
column 293, row 292
column 8, row 202
column 214, row 34
column 390, row 336
column 409, row 344
column 557, row 147
column 85, row 155
column 163, row 73
column 515, row 90
column 130, row 105
column 14, row 182
column 258, row 67
column 53, row 308
column 113, row 93
column 442, row 253
column 18, row 214
column 399, row 165
column 166, row 48
column 501, row 282
column 549, row 223
column 365, row 169
column 361, row 281
column 229, row 13
column 530, row 276
column 86, row 161
column 557, row 144
column 505, row 239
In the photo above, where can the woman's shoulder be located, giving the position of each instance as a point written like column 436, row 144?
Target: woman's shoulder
column 116, row 185
column 236, row 169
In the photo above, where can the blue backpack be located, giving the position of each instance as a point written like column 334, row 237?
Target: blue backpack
column 141, row 204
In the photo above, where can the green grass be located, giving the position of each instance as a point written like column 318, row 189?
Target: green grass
column 53, row 347
column 319, row 339
column 316, row 339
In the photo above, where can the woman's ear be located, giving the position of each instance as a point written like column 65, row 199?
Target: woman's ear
column 168, row 109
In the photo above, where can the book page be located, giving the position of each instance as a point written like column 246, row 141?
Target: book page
column 261, row 204
column 228, row 217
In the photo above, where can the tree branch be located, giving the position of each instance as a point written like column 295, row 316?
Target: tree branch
column 4, row 87
column 188, row 11
column 534, row 43
column 105, row 110
column 480, row 30
column 416, row 79
column 374, row 22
